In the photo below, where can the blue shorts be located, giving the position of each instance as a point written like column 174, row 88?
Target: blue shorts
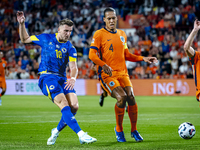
column 52, row 85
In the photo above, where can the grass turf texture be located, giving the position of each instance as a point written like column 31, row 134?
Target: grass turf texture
column 26, row 123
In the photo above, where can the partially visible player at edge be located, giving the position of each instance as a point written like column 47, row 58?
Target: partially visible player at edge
column 3, row 64
column 56, row 53
column 109, row 51
column 194, row 56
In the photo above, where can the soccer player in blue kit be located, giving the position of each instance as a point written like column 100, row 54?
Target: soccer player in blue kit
column 56, row 53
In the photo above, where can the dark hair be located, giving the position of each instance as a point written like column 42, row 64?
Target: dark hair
column 108, row 10
column 66, row 22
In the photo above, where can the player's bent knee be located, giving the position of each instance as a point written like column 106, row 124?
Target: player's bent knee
column 121, row 101
column 131, row 100
column 74, row 108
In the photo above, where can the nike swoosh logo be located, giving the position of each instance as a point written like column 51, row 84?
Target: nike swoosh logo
column 109, row 39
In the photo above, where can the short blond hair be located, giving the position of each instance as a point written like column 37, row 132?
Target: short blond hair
column 66, row 22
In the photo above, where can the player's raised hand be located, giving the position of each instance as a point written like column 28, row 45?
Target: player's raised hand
column 20, row 17
column 70, row 84
column 107, row 69
column 196, row 25
column 150, row 59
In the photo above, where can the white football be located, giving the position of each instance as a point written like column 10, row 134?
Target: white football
column 186, row 130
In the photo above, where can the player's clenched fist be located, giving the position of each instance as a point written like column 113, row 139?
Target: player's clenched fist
column 20, row 17
column 107, row 69
column 196, row 25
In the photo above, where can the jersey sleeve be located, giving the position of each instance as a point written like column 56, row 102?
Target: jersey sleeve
column 96, row 60
column 96, row 41
column 195, row 58
column 94, row 47
column 39, row 39
column 132, row 57
column 128, row 55
column 72, row 54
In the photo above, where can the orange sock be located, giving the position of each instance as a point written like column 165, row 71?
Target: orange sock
column 119, row 113
column 132, row 112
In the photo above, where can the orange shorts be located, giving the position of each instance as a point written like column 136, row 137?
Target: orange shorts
column 110, row 83
column 3, row 84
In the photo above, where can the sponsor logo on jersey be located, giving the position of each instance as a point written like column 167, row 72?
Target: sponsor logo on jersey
column 50, row 43
column 74, row 54
column 57, row 46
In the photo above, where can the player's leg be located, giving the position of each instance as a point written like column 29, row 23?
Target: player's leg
column 133, row 113
column 103, row 95
column 69, row 119
column 115, row 90
column 73, row 103
column 51, row 88
column 121, row 96
column 61, row 101
column 74, row 108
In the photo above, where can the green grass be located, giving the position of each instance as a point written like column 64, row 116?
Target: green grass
column 26, row 122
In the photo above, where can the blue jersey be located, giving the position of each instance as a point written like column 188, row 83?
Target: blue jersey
column 54, row 55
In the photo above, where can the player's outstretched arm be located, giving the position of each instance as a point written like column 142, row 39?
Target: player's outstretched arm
column 24, row 37
column 135, row 58
column 187, row 46
column 74, row 72
column 132, row 57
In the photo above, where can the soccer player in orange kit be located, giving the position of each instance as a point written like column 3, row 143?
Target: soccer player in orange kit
column 109, row 51
column 194, row 56
column 3, row 64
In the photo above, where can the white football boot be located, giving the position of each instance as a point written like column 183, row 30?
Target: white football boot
column 85, row 138
column 53, row 137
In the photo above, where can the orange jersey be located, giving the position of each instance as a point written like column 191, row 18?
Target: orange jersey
column 195, row 61
column 111, row 47
column 3, row 64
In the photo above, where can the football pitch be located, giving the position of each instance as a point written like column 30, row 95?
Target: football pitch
column 26, row 123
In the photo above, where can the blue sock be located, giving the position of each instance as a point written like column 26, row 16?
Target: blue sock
column 69, row 119
column 62, row 124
